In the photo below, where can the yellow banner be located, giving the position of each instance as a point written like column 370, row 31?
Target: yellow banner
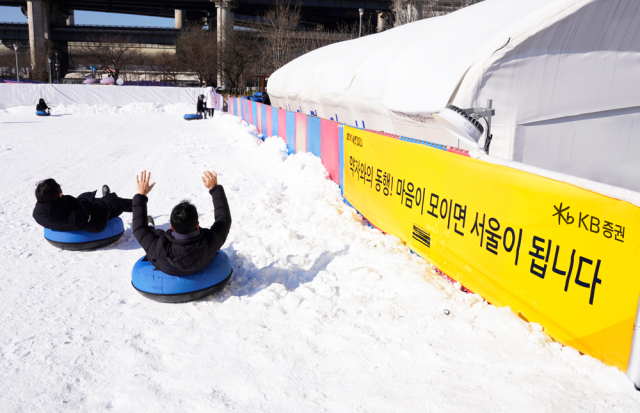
column 558, row 255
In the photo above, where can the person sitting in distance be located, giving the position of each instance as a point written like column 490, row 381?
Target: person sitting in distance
column 42, row 106
column 60, row 212
column 187, row 248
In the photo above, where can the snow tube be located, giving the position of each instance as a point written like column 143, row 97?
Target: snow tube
column 82, row 240
column 156, row 285
column 192, row 116
column 42, row 113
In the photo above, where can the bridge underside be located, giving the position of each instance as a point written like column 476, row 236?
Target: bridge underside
column 51, row 22
column 327, row 12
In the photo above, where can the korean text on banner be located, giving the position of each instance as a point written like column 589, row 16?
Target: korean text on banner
column 558, row 255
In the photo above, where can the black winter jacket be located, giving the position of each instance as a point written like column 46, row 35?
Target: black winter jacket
column 202, row 105
column 187, row 257
column 84, row 213
column 42, row 106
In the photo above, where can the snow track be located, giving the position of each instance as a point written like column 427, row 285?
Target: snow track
column 322, row 313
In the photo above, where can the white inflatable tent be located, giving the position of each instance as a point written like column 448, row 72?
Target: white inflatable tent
column 563, row 76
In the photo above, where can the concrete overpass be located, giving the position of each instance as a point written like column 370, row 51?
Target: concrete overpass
column 19, row 32
column 53, row 20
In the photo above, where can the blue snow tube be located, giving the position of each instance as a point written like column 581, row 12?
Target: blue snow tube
column 192, row 116
column 82, row 240
column 156, row 285
column 42, row 113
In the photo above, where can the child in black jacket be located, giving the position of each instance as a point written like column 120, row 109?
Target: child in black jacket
column 201, row 107
column 42, row 106
column 186, row 248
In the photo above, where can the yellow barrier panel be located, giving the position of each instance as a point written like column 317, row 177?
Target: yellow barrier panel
column 559, row 255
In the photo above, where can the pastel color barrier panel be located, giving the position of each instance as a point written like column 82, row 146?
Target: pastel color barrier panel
column 331, row 149
column 245, row 113
column 274, row 121
column 235, row 106
column 301, row 132
column 241, row 108
column 282, row 124
column 314, row 137
column 264, row 123
column 291, row 131
column 254, row 113
column 250, row 105
column 258, row 112
column 267, row 117
column 341, row 157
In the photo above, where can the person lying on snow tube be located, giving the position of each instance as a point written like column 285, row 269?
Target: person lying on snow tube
column 42, row 106
column 60, row 212
column 187, row 248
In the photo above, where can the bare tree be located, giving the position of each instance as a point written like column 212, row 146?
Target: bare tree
column 281, row 22
column 241, row 51
column 408, row 11
column 197, row 51
column 28, row 69
column 113, row 54
column 166, row 66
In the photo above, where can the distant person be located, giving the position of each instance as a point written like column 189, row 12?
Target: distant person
column 85, row 213
column 212, row 96
column 42, row 106
column 201, row 107
column 265, row 98
column 186, row 248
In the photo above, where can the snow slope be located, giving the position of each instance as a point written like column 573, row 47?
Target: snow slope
column 322, row 313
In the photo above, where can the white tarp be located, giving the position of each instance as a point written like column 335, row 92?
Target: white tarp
column 561, row 73
column 28, row 94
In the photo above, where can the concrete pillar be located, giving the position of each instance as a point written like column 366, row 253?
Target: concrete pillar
column 380, row 26
column 38, row 14
column 180, row 16
column 225, row 19
column 71, row 21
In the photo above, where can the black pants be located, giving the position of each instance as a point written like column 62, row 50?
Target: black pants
column 210, row 110
column 114, row 204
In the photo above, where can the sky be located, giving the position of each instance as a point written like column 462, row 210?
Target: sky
column 14, row 15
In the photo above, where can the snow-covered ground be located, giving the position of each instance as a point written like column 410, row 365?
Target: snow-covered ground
column 322, row 314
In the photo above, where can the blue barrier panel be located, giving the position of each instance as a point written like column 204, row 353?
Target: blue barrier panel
column 291, row 132
column 274, row 121
column 254, row 110
column 235, row 106
column 341, row 156
column 314, row 136
column 241, row 103
column 264, row 120
column 427, row 143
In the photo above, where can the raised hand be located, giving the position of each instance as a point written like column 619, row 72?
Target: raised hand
column 210, row 179
column 142, row 183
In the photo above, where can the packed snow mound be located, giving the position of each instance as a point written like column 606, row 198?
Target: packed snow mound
column 322, row 313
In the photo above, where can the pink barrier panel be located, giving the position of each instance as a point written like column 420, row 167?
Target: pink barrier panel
column 282, row 124
column 459, row 151
column 269, row 125
column 331, row 148
column 250, row 109
column 259, row 117
column 301, row 132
